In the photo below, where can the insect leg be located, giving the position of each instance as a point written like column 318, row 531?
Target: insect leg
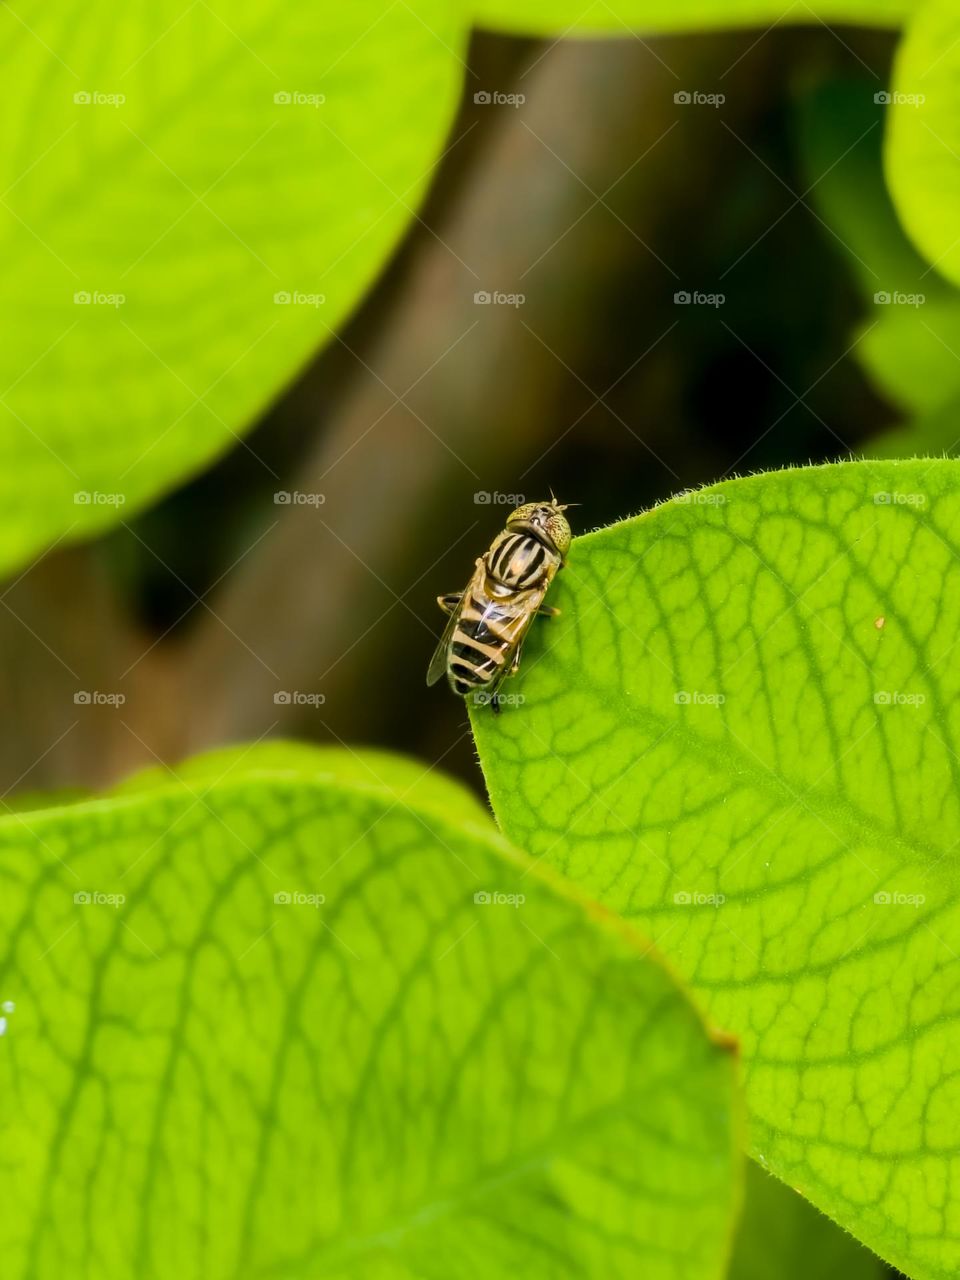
column 449, row 602
column 549, row 611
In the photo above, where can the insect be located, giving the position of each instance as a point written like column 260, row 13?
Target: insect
column 489, row 620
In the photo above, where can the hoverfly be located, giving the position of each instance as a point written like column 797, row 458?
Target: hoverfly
column 489, row 620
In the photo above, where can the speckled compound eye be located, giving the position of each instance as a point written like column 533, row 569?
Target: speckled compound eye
column 558, row 530
column 523, row 512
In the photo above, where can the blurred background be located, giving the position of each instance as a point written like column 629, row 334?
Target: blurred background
column 622, row 283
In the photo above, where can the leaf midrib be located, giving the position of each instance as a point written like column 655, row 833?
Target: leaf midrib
column 842, row 811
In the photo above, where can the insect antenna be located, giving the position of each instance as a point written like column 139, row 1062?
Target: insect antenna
column 562, row 506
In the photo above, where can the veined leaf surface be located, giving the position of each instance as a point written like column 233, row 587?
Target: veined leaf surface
column 291, row 1023
column 743, row 734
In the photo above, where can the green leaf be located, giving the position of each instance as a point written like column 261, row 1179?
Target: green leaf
column 781, row 1235
column 617, row 17
column 398, row 1081
column 840, row 128
column 913, row 355
column 909, row 343
column 744, row 727
column 934, row 432
column 923, row 140
column 198, row 199
column 277, row 757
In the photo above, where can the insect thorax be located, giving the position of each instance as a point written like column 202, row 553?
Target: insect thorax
column 519, row 560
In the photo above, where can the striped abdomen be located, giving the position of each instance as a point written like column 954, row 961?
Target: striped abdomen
column 519, row 560
column 480, row 646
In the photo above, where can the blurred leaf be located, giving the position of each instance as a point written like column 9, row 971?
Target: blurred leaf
column 743, row 734
column 781, row 1235
column 400, row 1081
column 558, row 17
column 180, row 159
column 913, row 354
column 841, row 134
column 392, row 774
column 908, row 347
column 929, row 434
column 923, row 139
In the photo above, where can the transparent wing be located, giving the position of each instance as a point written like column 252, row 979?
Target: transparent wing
column 438, row 663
